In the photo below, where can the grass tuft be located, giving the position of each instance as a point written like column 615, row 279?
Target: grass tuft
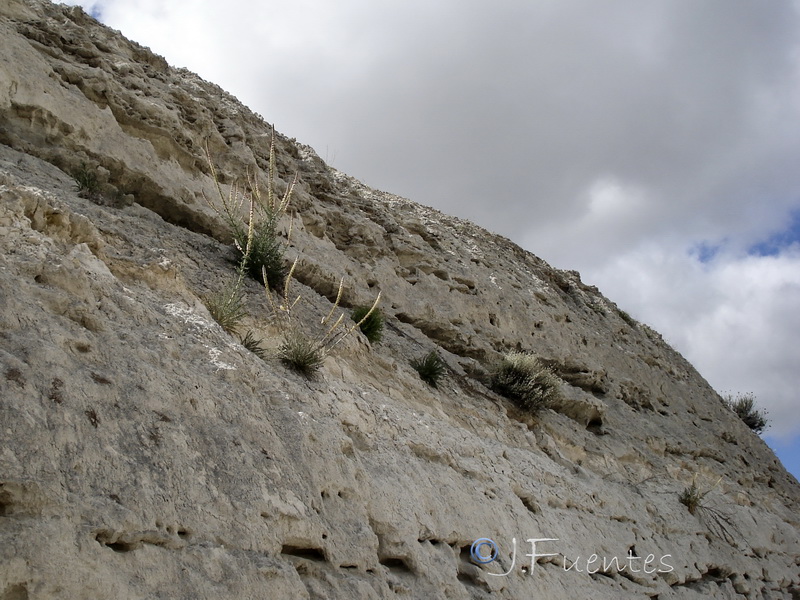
column 227, row 307
column 691, row 497
column 87, row 182
column 523, row 379
column 301, row 353
column 257, row 238
column 253, row 344
column 371, row 323
column 718, row 521
column 744, row 405
column 266, row 256
column 430, row 367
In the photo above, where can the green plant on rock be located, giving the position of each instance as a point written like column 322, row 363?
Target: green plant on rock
column 227, row 307
column 371, row 323
column 718, row 521
column 302, row 351
column 253, row 344
column 744, row 405
column 525, row 380
column 627, row 318
column 261, row 251
column 87, row 182
column 256, row 237
column 691, row 497
column 430, row 367
column 265, row 262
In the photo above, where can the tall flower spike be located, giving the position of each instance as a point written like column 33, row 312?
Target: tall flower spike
column 336, row 303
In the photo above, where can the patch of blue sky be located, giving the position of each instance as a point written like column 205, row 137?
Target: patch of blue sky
column 780, row 240
column 705, row 252
column 788, row 452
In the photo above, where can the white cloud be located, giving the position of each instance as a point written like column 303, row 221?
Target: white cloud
column 735, row 318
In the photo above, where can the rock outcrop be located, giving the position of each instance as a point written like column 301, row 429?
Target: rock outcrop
column 145, row 453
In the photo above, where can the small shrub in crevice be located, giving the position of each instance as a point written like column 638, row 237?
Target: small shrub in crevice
column 627, row 318
column 301, row 353
column 265, row 258
column 257, row 238
column 299, row 350
column 87, row 182
column 744, row 405
column 226, row 307
column 691, row 497
column 718, row 521
column 430, row 367
column 253, row 344
column 261, row 250
column 371, row 323
column 525, row 380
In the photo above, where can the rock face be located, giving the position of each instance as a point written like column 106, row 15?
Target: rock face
column 146, row 454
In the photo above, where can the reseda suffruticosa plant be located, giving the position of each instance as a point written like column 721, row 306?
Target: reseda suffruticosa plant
column 525, row 380
column 261, row 256
column 256, row 239
column 303, row 351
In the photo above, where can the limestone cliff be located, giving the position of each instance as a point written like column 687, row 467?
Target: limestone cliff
column 146, row 454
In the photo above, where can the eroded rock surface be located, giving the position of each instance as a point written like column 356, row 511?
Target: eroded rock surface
column 145, row 453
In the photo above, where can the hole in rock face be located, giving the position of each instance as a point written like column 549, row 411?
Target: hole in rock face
column 97, row 378
column 595, row 426
column 468, row 572
column 307, row 553
column 431, row 541
column 56, row 391
column 18, row 591
column 396, row 564
column 14, row 375
column 530, row 504
column 5, row 502
column 91, row 414
column 120, row 546
column 104, row 538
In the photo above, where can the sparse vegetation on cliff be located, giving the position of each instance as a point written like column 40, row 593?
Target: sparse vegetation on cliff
column 87, row 182
column 301, row 353
column 716, row 520
column 744, row 405
column 257, row 241
column 371, row 323
column 253, row 344
column 226, row 307
column 300, row 350
column 261, row 256
column 691, row 497
column 430, row 367
column 257, row 238
column 523, row 379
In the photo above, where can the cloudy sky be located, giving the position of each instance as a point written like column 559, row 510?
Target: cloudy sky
column 653, row 146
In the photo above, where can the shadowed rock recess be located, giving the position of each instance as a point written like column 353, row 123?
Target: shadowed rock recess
column 146, row 454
